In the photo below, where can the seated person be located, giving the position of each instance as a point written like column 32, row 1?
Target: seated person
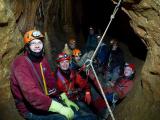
column 76, row 56
column 87, row 73
column 91, row 42
column 103, row 53
column 124, row 84
column 33, row 86
column 115, row 62
column 70, row 45
column 75, row 87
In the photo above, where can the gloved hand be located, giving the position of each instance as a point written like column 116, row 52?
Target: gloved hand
column 59, row 108
column 88, row 97
column 68, row 102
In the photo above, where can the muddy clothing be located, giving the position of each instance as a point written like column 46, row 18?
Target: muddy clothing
column 27, row 88
column 75, row 87
column 122, row 87
column 71, row 83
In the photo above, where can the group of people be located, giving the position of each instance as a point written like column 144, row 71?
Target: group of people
column 71, row 91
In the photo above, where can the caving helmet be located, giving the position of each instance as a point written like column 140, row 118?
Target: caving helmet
column 31, row 35
column 62, row 56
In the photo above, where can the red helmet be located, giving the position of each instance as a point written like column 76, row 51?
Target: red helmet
column 63, row 56
column 132, row 66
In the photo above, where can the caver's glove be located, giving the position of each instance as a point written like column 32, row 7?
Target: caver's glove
column 68, row 102
column 59, row 108
column 88, row 97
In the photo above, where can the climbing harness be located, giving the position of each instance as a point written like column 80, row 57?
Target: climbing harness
column 44, row 80
column 34, row 70
column 88, row 62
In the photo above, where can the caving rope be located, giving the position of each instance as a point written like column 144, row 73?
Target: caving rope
column 88, row 62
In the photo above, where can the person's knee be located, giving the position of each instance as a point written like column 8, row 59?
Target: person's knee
column 57, row 117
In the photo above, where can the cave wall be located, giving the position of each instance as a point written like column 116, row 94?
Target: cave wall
column 10, row 39
column 55, row 18
column 17, row 17
column 144, row 102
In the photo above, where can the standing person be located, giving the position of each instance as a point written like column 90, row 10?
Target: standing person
column 33, row 86
column 91, row 43
column 75, row 87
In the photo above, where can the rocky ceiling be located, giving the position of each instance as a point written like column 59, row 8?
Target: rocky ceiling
column 61, row 18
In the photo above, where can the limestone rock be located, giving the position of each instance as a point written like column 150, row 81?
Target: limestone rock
column 10, row 40
column 144, row 103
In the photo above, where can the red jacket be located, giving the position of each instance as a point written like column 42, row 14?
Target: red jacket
column 28, row 94
column 122, row 87
column 76, row 83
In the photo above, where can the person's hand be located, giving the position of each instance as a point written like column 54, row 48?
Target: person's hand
column 59, row 108
column 88, row 97
column 67, row 112
column 68, row 102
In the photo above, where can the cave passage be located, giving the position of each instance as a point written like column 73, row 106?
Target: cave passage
column 97, row 14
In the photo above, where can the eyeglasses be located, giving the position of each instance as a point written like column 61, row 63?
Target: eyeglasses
column 32, row 43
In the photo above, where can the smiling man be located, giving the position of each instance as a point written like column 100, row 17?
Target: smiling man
column 32, row 84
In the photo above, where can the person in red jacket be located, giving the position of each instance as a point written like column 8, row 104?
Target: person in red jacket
column 125, row 83
column 73, row 84
column 33, row 86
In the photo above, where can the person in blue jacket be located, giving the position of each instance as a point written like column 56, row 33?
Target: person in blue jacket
column 103, row 52
column 91, row 43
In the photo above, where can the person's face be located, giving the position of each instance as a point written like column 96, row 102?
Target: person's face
column 36, row 45
column 91, row 31
column 128, row 71
column 77, row 58
column 64, row 65
column 114, row 47
column 98, row 38
column 72, row 44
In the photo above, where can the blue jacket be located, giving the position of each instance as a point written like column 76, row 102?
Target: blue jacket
column 103, row 54
column 91, row 43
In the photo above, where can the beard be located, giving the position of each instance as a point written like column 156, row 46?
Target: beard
column 35, row 56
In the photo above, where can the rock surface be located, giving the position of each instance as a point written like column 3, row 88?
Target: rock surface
column 10, row 39
column 144, row 101
column 18, row 16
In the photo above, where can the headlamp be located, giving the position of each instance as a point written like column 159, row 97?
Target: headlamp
column 36, row 34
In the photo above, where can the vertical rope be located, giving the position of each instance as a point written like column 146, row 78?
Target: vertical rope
column 95, row 52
